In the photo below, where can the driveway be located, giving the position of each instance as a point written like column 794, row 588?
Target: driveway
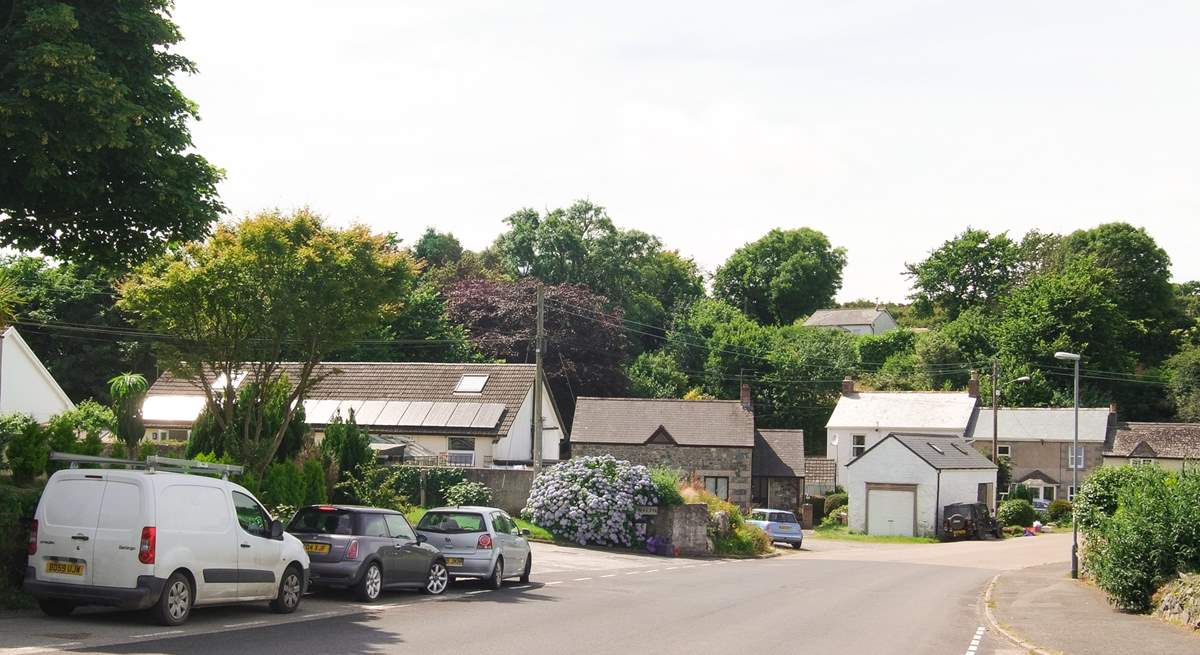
column 832, row 597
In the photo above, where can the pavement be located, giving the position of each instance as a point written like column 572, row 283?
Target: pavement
column 1043, row 606
column 830, row 597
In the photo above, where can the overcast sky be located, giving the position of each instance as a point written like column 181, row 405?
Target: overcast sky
column 890, row 126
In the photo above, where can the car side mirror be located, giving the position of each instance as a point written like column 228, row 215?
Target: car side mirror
column 277, row 530
column 422, row 538
column 525, row 532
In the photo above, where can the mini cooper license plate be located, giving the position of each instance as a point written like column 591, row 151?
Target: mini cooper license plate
column 320, row 549
column 454, row 561
column 64, row 568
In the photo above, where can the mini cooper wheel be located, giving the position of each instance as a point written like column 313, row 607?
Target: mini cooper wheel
column 175, row 604
column 528, row 568
column 291, row 587
column 371, row 585
column 496, row 579
column 438, row 580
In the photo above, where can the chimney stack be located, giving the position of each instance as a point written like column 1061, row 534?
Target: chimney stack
column 973, row 385
column 847, row 386
column 1112, row 409
column 747, row 402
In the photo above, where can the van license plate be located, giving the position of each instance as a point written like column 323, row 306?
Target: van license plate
column 64, row 568
column 320, row 549
column 454, row 561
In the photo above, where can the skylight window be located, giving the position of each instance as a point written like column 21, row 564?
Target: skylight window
column 956, row 447
column 939, row 450
column 471, row 384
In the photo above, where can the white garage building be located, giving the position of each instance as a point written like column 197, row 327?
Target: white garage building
column 900, row 485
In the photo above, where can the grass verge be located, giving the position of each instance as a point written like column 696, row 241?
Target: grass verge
column 536, row 532
column 843, row 533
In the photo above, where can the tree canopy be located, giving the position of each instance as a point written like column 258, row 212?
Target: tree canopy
column 264, row 290
column 972, row 269
column 785, row 275
column 95, row 150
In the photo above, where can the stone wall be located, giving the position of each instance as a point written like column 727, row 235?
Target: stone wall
column 510, row 487
column 784, row 493
column 1179, row 601
column 694, row 461
column 686, row 526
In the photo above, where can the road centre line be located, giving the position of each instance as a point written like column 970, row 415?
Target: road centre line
column 163, row 633
column 610, row 575
column 551, row 584
column 473, row 593
column 582, row 579
column 652, row 571
column 633, row 572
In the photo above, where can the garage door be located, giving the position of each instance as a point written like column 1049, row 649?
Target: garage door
column 890, row 512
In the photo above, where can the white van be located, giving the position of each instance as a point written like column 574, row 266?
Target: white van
column 160, row 541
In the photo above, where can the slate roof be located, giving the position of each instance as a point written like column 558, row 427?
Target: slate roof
column 689, row 422
column 428, row 389
column 904, row 411
column 819, row 470
column 939, row 451
column 778, row 454
column 1042, row 423
column 837, row 317
column 1158, row 440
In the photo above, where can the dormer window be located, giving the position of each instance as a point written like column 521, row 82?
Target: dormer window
column 471, row 384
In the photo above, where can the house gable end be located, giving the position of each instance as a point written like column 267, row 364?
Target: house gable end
column 661, row 436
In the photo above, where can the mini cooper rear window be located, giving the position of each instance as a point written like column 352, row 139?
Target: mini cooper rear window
column 312, row 520
column 451, row 522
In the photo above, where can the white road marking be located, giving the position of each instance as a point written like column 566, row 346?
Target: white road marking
column 610, row 575
column 520, row 586
column 672, row 568
column 582, row 579
column 633, row 573
column 481, row 591
column 652, row 571
column 551, row 584
column 150, row 635
column 975, row 639
column 245, row 624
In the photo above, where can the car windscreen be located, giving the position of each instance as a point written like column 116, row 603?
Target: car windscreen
column 313, row 520
column 783, row 517
column 452, row 522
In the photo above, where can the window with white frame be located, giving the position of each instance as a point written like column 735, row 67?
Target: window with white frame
column 1074, row 457
column 1004, row 450
column 1141, row 461
column 1070, row 493
column 460, row 451
column 858, row 445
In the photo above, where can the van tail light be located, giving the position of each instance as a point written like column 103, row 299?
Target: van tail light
column 352, row 550
column 147, row 546
column 33, row 538
column 485, row 542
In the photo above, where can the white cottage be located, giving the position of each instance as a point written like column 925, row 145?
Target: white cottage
column 862, row 419
column 26, row 386
column 900, row 485
column 854, row 321
column 477, row 415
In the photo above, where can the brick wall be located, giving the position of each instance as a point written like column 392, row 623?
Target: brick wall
column 698, row 461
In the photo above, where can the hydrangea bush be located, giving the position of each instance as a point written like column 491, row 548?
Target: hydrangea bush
column 592, row 500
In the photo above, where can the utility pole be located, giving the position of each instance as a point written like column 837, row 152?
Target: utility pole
column 996, row 431
column 538, row 380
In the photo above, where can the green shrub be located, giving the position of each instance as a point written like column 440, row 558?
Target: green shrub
column 1096, row 499
column 1134, row 551
column 28, row 446
column 743, row 540
column 468, row 493
column 1059, row 510
column 834, row 501
column 666, row 481
column 315, row 491
column 17, row 506
column 1021, row 492
column 408, row 482
column 373, row 485
column 283, row 484
column 1017, row 512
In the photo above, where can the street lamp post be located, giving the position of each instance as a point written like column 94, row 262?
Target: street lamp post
column 1074, row 357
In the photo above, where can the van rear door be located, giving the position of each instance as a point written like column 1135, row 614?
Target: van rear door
column 119, row 533
column 66, row 538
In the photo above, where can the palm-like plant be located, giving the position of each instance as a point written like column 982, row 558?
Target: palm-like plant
column 127, row 391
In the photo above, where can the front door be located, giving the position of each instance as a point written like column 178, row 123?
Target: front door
column 259, row 556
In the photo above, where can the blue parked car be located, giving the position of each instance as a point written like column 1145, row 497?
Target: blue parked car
column 781, row 526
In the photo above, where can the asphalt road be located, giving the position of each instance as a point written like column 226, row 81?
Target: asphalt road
column 829, row 598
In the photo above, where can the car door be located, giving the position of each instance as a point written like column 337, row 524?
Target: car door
column 373, row 537
column 519, row 542
column 412, row 560
column 503, row 529
column 66, row 531
column 259, row 556
column 195, row 519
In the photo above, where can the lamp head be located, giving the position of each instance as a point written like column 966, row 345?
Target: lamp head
column 1070, row 357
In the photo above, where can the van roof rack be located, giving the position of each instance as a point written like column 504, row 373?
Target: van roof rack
column 154, row 463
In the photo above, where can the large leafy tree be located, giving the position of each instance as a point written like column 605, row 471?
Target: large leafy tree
column 785, row 275
column 70, row 321
column 95, row 152
column 1140, row 286
column 973, row 269
column 585, row 338
column 1184, row 369
column 267, row 289
column 580, row 244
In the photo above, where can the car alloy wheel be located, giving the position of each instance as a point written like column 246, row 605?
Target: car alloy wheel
column 179, row 600
column 374, row 582
column 290, row 590
column 497, row 578
column 438, row 579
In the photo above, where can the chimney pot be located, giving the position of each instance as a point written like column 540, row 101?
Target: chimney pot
column 848, row 385
column 973, row 385
column 747, row 402
column 1112, row 409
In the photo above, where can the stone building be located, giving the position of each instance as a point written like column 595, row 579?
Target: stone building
column 711, row 441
